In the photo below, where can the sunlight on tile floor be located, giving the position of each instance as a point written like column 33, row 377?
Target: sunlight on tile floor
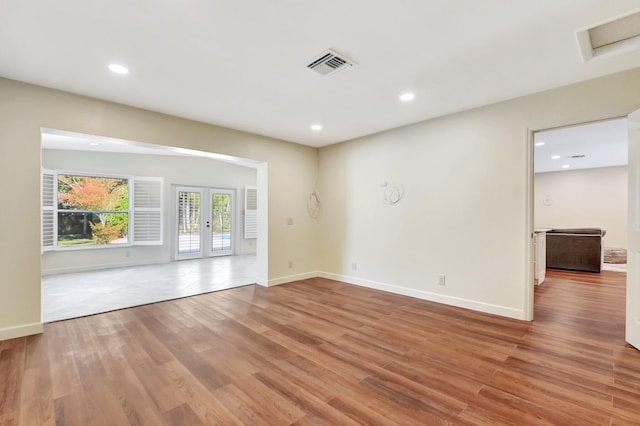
column 78, row 294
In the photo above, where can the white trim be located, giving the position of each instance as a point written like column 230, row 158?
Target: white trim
column 89, row 268
column 262, row 242
column 488, row 308
column 292, row 278
column 21, row 330
column 528, row 290
column 632, row 295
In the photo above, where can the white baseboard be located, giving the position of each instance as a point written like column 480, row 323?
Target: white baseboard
column 21, row 330
column 89, row 268
column 433, row 297
column 291, row 278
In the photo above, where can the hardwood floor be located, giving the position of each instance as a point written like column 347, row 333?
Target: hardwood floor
column 323, row 352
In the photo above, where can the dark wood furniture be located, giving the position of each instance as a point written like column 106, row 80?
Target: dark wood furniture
column 578, row 249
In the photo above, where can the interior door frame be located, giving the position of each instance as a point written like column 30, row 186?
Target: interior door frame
column 634, row 156
column 528, row 296
column 632, row 320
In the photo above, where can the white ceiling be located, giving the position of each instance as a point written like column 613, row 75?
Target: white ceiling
column 603, row 144
column 68, row 141
column 242, row 64
column 71, row 141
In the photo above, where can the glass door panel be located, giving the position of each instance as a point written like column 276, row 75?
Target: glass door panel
column 189, row 226
column 221, row 222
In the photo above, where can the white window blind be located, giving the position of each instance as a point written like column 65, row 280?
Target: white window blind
column 250, row 212
column 147, row 211
column 48, row 200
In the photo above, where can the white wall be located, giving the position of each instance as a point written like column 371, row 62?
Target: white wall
column 465, row 211
column 589, row 198
column 291, row 173
column 175, row 170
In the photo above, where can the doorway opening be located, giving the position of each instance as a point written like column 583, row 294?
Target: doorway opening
column 141, row 269
column 580, row 199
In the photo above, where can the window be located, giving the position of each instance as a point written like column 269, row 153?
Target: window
column 84, row 210
column 92, row 210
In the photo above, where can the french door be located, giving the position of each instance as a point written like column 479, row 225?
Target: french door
column 204, row 222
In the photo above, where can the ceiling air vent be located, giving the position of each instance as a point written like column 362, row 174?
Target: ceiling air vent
column 615, row 36
column 329, row 62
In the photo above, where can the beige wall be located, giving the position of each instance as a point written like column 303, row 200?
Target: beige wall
column 465, row 209
column 464, row 214
column 591, row 198
column 25, row 109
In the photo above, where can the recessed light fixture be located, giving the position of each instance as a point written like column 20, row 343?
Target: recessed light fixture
column 94, row 143
column 555, row 157
column 119, row 69
column 406, row 97
column 316, row 127
column 565, row 166
column 539, row 143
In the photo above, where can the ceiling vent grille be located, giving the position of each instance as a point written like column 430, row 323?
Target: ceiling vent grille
column 615, row 36
column 330, row 62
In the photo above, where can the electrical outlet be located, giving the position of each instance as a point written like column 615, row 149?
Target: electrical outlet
column 354, row 266
column 289, row 221
column 290, row 264
column 441, row 279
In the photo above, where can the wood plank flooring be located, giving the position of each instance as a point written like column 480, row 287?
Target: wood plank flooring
column 322, row 352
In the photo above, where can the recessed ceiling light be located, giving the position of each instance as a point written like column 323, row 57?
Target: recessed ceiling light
column 94, row 143
column 539, row 143
column 119, row 69
column 555, row 157
column 316, row 127
column 406, row 97
column 565, row 166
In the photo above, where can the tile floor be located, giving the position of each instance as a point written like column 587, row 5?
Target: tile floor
column 79, row 294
